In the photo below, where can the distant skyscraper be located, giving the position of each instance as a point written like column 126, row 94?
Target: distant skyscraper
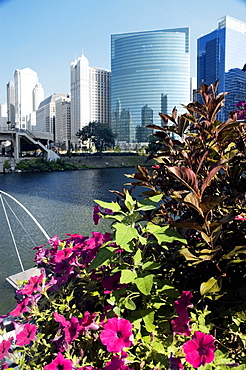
column 219, row 51
column 46, row 115
column 11, row 102
column 235, row 84
column 89, row 95
column 142, row 132
column 28, row 95
column 3, row 116
column 63, row 121
column 148, row 68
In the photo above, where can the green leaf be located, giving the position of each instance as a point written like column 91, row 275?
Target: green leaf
column 144, row 284
column 149, row 203
column 113, row 206
column 148, row 318
column 129, row 202
column 137, row 258
column 104, row 254
column 129, row 304
column 213, row 285
column 150, row 265
column 124, row 234
column 165, row 234
column 127, row 276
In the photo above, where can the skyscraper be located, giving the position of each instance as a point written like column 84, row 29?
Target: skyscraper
column 28, row 94
column 235, row 83
column 11, row 102
column 150, row 68
column 89, row 95
column 219, row 51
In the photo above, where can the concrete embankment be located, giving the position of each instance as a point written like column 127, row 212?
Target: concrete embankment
column 108, row 161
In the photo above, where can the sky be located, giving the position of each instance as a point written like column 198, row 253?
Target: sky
column 47, row 35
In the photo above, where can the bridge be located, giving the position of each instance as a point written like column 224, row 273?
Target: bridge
column 24, row 141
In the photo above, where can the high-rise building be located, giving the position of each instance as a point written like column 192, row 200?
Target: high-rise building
column 89, row 95
column 28, row 95
column 63, row 121
column 11, row 102
column 150, row 68
column 219, row 51
column 3, row 116
column 235, row 84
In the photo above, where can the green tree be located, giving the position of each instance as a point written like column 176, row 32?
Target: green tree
column 99, row 134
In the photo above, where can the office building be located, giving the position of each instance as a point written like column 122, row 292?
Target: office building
column 46, row 115
column 28, row 95
column 3, row 116
column 89, row 95
column 11, row 103
column 220, row 51
column 63, row 121
column 149, row 69
column 235, row 84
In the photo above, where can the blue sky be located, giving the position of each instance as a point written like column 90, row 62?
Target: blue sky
column 47, row 35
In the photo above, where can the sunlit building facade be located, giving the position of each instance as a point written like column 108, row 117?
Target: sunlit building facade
column 90, row 99
column 149, row 69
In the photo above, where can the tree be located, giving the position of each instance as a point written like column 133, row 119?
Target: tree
column 99, row 134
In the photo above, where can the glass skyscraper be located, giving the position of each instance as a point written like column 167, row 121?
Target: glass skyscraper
column 219, row 51
column 150, row 73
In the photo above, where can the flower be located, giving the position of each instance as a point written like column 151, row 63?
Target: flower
column 180, row 324
column 175, row 363
column 4, row 348
column 88, row 322
column 183, row 302
column 59, row 363
column 111, row 283
column 32, row 285
column 200, row 349
column 117, row 362
column 96, row 215
column 117, row 334
column 239, row 218
column 26, row 335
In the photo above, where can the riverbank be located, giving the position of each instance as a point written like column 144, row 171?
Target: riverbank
column 78, row 162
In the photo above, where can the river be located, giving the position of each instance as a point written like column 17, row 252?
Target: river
column 62, row 202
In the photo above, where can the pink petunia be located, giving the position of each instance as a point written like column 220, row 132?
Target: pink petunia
column 183, row 302
column 4, row 348
column 180, row 324
column 200, row 349
column 32, row 285
column 117, row 334
column 88, row 322
column 239, row 218
column 175, row 363
column 59, row 363
column 26, row 335
column 96, row 215
column 118, row 362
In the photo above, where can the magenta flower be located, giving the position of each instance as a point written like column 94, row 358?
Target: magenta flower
column 96, row 215
column 200, row 349
column 32, row 285
column 117, row 362
column 26, row 335
column 180, row 324
column 72, row 330
column 239, row 218
column 175, row 363
column 117, row 334
column 111, row 283
column 59, row 363
column 183, row 302
column 4, row 348
column 88, row 322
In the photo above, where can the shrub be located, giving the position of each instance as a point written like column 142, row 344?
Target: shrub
column 166, row 287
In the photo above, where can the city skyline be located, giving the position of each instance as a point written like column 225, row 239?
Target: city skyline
column 47, row 38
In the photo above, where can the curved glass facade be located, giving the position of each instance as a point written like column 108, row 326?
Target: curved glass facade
column 150, row 70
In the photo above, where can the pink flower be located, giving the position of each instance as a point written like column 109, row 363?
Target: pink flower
column 240, row 218
column 59, row 363
column 180, row 324
column 96, row 216
column 200, row 349
column 183, row 302
column 117, row 362
column 26, row 335
column 175, row 363
column 88, row 322
column 61, row 319
column 4, row 348
column 117, row 334
column 111, row 283
column 32, row 285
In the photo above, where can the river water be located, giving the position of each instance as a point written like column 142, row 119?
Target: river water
column 62, row 202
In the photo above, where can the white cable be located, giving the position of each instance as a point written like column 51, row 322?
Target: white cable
column 11, row 233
